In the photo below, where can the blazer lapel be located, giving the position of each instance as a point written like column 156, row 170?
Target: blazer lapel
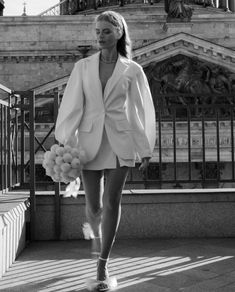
column 119, row 69
column 93, row 75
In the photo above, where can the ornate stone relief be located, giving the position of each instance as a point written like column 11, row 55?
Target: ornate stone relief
column 29, row 58
column 185, row 70
column 182, row 80
column 178, row 10
column 185, row 44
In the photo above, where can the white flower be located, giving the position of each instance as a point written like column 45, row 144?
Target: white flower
column 63, row 164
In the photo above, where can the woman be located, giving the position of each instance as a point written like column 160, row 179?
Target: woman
column 108, row 106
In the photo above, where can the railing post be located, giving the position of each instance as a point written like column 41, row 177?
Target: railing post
column 5, row 148
column 22, row 141
column 9, row 154
column 32, row 164
column 1, row 147
column 57, row 185
column 16, row 144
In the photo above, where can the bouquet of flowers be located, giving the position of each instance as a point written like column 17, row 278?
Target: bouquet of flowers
column 63, row 163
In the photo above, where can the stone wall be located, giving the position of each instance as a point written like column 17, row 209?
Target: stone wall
column 147, row 214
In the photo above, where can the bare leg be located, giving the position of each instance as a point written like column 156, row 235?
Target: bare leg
column 93, row 186
column 115, row 180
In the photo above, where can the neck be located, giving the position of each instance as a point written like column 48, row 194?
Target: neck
column 108, row 57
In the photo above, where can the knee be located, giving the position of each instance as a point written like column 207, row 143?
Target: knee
column 112, row 203
column 93, row 211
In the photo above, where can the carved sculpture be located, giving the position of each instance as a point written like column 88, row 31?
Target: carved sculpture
column 205, row 3
column 204, row 83
column 2, row 6
column 178, row 10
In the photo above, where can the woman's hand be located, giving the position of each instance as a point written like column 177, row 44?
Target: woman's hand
column 144, row 165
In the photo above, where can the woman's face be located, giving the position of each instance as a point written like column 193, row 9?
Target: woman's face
column 106, row 34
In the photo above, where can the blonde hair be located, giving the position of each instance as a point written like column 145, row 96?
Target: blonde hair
column 117, row 20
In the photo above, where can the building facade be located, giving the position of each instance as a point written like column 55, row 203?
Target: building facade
column 189, row 61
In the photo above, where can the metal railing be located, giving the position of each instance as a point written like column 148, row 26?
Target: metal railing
column 71, row 7
column 68, row 7
column 194, row 145
column 54, row 10
column 9, row 174
column 31, row 144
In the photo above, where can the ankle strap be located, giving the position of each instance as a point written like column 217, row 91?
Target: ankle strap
column 101, row 259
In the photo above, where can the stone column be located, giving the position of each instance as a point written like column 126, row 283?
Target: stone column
column 232, row 5
column 224, row 4
column 2, row 6
column 227, row 5
column 216, row 3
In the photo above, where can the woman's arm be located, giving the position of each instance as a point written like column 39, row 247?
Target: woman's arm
column 141, row 114
column 71, row 107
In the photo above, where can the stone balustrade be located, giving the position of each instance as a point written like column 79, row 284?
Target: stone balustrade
column 13, row 217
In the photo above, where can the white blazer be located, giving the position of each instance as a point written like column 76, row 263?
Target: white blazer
column 125, row 109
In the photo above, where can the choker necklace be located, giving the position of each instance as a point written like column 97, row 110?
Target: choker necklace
column 108, row 62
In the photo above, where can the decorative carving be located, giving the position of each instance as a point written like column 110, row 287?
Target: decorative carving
column 178, row 10
column 185, row 42
column 2, row 6
column 205, row 83
column 205, row 3
column 40, row 58
column 72, row 6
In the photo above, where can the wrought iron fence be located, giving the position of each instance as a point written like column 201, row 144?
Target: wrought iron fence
column 70, row 7
column 194, row 146
column 9, row 174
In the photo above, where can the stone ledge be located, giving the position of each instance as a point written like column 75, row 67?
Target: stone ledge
column 13, row 209
column 148, row 214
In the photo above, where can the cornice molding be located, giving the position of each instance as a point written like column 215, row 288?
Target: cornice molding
column 38, row 58
column 186, row 44
column 181, row 43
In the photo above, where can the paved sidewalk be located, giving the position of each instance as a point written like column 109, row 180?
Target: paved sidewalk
column 140, row 265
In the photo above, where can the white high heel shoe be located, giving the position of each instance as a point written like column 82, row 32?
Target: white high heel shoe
column 110, row 283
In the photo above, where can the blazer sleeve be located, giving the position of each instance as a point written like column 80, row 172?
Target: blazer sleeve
column 71, row 107
column 141, row 114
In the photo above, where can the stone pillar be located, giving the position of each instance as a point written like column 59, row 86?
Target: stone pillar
column 2, row 6
column 216, row 3
column 166, row 4
column 64, row 8
column 224, row 4
column 227, row 5
column 232, row 5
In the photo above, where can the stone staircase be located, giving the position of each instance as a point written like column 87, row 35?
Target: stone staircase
column 13, row 217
